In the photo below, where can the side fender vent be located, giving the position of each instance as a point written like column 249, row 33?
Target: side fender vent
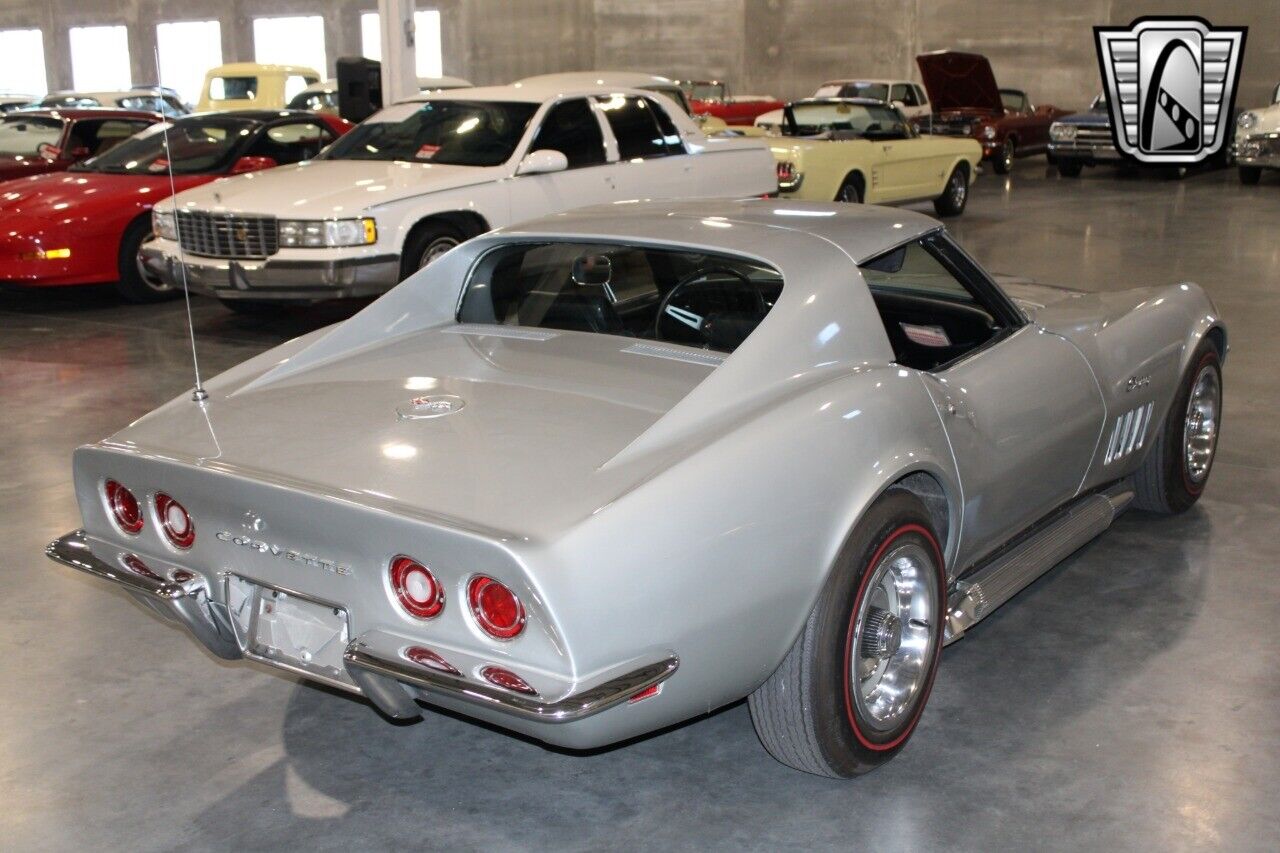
column 1129, row 433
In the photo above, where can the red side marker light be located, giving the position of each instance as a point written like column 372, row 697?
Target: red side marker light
column 431, row 660
column 651, row 690
column 507, row 680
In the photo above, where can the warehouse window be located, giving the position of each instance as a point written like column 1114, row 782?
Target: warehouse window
column 428, row 57
column 290, row 41
column 186, row 49
column 22, row 61
column 100, row 59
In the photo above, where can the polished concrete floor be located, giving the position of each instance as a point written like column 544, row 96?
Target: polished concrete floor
column 1129, row 700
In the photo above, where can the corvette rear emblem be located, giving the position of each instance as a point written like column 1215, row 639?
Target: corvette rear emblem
column 430, row 406
column 1170, row 86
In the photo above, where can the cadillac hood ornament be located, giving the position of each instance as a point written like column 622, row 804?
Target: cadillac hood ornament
column 1170, row 85
column 430, row 406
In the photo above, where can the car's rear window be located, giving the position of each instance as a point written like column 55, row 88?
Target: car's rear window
column 233, row 88
column 681, row 297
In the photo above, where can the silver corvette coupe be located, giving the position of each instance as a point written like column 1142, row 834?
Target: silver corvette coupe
column 609, row 470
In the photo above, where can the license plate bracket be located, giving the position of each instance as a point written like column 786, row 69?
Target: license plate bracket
column 290, row 630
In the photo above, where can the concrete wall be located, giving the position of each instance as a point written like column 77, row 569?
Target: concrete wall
column 779, row 47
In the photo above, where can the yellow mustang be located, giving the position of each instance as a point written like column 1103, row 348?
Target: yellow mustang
column 860, row 150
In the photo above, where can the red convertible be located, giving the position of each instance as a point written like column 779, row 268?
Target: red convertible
column 33, row 142
column 711, row 97
column 967, row 102
column 84, row 226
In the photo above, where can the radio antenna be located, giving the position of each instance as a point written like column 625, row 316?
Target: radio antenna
column 199, row 395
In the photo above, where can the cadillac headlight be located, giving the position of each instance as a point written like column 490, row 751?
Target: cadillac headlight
column 164, row 224
column 327, row 233
column 1059, row 132
column 989, row 132
column 1246, row 120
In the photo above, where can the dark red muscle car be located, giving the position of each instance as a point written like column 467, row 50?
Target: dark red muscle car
column 84, row 226
column 967, row 102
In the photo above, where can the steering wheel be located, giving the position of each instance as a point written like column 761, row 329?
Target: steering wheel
column 690, row 319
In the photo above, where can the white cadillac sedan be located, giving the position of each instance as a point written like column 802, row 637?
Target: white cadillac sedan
column 419, row 177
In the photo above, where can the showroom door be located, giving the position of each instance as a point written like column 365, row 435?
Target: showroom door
column 572, row 128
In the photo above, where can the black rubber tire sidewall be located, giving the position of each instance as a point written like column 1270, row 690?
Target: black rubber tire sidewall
column 1180, row 492
column 854, row 182
column 1068, row 169
column 1250, row 175
column 898, row 515
column 942, row 204
column 422, row 237
column 130, row 283
column 998, row 162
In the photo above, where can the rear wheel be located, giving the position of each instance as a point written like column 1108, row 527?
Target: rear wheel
column 136, row 283
column 849, row 693
column 1003, row 161
column 852, row 190
column 1070, row 168
column 1178, row 464
column 428, row 242
column 1250, row 175
column 956, row 193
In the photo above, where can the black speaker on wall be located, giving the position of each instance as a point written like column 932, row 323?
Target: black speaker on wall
column 359, row 87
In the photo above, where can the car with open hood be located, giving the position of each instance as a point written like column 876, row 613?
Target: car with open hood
column 967, row 102
column 418, row 178
column 596, row 474
column 86, row 225
column 860, row 150
column 1257, row 141
column 33, row 142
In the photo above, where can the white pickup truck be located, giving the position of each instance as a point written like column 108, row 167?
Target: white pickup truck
column 419, row 177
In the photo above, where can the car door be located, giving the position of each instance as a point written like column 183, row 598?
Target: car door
column 1020, row 406
column 907, row 167
column 653, row 161
column 573, row 128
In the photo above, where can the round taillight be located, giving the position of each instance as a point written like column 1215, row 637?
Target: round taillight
column 175, row 521
column 507, row 680
column 496, row 608
column 124, row 507
column 416, row 588
column 431, row 660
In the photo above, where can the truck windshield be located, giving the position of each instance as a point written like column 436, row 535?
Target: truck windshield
column 455, row 133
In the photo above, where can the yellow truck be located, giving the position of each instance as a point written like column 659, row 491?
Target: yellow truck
column 253, row 86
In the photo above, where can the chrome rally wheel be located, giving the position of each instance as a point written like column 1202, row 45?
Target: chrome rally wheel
column 1200, row 427
column 849, row 693
column 891, row 638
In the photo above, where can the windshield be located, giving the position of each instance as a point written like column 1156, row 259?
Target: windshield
column 199, row 146
column 705, row 91
column 25, row 135
column 1013, row 101
column 455, row 133
column 869, row 121
column 874, row 91
column 681, row 297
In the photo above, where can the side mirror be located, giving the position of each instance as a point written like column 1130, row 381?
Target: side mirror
column 253, row 164
column 542, row 162
column 899, row 105
column 48, row 152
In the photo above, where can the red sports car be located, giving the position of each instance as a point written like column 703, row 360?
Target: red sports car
column 33, row 142
column 84, row 226
column 711, row 97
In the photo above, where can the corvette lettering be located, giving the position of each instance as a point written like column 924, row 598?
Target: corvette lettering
column 283, row 553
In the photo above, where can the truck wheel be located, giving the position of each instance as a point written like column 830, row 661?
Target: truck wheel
column 851, row 191
column 137, row 284
column 428, row 242
column 849, row 693
column 1250, row 175
column 1003, row 162
column 1070, row 168
column 1177, row 466
column 955, row 195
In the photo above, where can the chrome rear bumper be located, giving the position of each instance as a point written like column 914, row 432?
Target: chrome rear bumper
column 379, row 675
